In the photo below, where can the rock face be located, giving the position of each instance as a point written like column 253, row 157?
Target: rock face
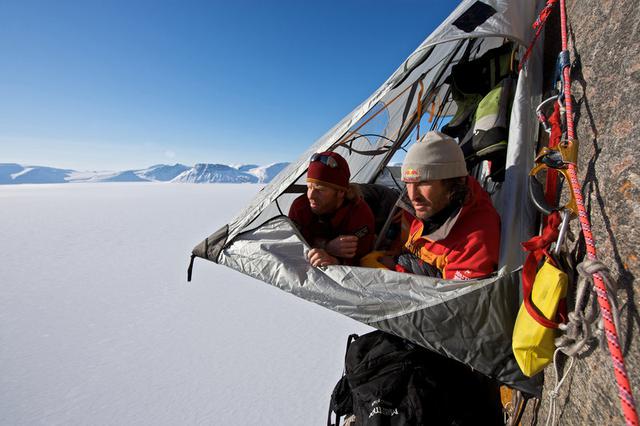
column 605, row 50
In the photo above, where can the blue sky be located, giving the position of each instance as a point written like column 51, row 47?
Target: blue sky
column 95, row 85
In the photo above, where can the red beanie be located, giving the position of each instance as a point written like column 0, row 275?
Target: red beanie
column 329, row 168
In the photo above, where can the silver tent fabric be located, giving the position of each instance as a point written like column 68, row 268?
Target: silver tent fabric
column 470, row 321
column 512, row 21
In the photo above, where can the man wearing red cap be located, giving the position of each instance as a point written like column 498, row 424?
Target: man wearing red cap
column 332, row 216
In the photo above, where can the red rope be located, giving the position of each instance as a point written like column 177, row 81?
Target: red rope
column 624, row 388
column 538, row 26
column 551, row 185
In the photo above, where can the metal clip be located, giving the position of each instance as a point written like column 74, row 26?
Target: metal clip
column 542, row 117
column 564, row 59
column 569, row 150
column 564, row 227
column 551, row 158
column 554, row 159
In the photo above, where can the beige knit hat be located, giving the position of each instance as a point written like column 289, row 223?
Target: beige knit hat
column 434, row 156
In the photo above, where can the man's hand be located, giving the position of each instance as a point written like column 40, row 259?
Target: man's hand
column 320, row 257
column 343, row 246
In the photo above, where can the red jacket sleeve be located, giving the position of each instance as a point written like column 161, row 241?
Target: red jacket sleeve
column 300, row 214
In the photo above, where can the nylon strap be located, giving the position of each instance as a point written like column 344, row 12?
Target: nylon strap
column 538, row 247
column 538, row 25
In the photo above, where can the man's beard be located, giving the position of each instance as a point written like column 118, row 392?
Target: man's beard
column 435, row 221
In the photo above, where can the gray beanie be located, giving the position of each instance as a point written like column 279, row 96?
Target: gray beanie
column 435, row 156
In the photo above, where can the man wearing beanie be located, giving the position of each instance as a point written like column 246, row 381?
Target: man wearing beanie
column 456, row 231
column 332, row 216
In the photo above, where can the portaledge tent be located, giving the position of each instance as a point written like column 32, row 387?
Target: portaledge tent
column 470, row 321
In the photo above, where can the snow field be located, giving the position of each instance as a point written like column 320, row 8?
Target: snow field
column 98, row 325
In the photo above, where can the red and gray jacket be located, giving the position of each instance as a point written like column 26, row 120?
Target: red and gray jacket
column 352, row 218
column 467, row 245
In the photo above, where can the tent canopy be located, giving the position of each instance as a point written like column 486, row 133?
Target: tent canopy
column 470, row 321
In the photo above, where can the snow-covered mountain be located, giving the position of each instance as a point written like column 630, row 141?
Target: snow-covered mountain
column 244, row 167
column 208, row 173
column 162, row 172
column 267, row 173
column 15, row 173
column 242, row 173
column 156, row 173
column 126, row 176
column 12, row 173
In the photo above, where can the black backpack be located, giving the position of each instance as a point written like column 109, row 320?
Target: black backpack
column 390, row 381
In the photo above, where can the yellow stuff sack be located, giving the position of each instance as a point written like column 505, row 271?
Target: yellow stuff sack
column 533, row 343
column 371, row 260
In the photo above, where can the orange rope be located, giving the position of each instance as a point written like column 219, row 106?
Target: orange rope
column 353, row 132
column 419, row 109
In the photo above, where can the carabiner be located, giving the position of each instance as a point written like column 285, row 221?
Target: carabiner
column 549, row 158
column 542, row 117
column 564, row 227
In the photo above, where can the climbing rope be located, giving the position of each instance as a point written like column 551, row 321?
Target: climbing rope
column 581, row 325
column 622, row 379
column 553, row 394
column 538, row 26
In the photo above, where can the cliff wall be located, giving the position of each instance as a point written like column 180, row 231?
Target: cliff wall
column 605, row 50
